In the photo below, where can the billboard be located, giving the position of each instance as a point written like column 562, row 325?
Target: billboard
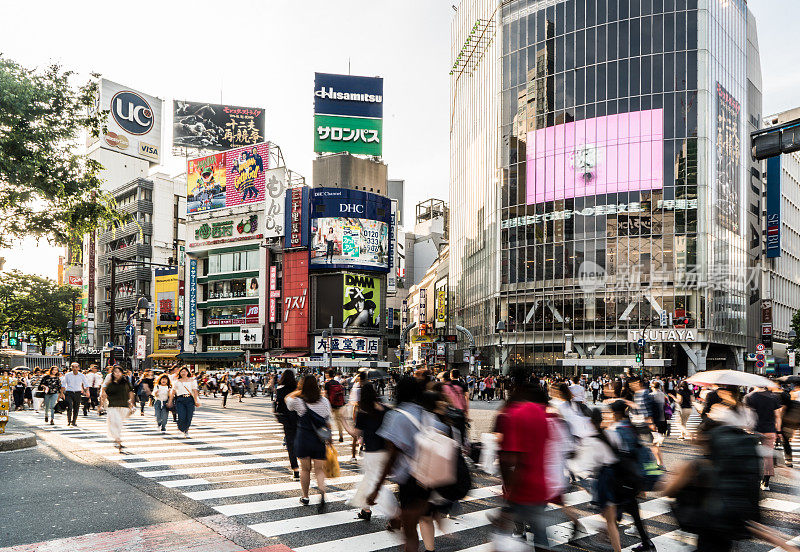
column 361, row 305
column 166, row 295
column 348, row 344
column 234, row 177
column 728, row 161
column 333, row 134
column 192, row 301
column 350, row 229
column 216, row 127
column 295, row 299
column 348, row 95
column 774, row 206
column 133, row 126
column 249, row 226
column 601, row 155
column 296, row 221
column 276, row 200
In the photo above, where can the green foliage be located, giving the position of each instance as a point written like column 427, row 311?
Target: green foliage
column 796, row 327
column 46, row 189
column 35, row 306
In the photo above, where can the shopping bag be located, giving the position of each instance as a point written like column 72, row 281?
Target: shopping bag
column 386, row 504
column 331, row 462
column 488, row 458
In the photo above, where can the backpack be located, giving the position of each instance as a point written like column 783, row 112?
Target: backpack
column 724, row 493
column 336, row 392
column 455, row 395
column 636, row 469
column 435, row 461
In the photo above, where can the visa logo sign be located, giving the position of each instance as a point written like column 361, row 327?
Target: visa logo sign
column 148, row 150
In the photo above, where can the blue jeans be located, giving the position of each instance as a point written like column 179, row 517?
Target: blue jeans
column 162, row 414
column 50, row 400
column 532, row 516
column 184, row 406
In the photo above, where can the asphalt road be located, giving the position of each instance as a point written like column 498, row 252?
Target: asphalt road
column 232, row 475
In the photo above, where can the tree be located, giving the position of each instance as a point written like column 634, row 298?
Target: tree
column 35, row 306
column 46, row 189
column 796, row 327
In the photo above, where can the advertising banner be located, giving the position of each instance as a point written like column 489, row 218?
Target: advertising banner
column 192, row 301
column 361, row 307
column 348, row 95
column 205, row 179
column 296, row 218
column 226, row 230
column 92, row 288
column 728, row 161
column 350, row 230
column 234, row 177
column 246, row 314
column 216, row 127
column 601, row 155
column 295, row 300
column 334, row 134
column 166, row 325
column 774, row 206
column 391, row 277
column 348, row 344
column 276, row 200
column 441, row 304
column 133, row 126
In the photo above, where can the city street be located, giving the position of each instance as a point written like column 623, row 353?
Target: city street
column 228, row 488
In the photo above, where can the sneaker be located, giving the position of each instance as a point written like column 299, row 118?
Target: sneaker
column 46, row 420
column 341, row 439
column 296, row 475
column 765, row 487
column 52, row 422
column 632, row 531
column 304, row 501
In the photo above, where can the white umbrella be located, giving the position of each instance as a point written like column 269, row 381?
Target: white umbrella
column 730, row 377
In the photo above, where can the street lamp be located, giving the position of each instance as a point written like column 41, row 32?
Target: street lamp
column 501, row 327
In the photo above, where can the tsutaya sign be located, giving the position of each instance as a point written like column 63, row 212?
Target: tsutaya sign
column 668, row 335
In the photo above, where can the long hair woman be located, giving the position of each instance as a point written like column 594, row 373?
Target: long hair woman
column 121, row 399
column 224, row 389
column 314, row 414
column 161, row 392
column 286, row 417
column 185, row 398
column 51, row 386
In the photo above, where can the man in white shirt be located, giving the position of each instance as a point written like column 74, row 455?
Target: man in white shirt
column 94, row 379
column 577, row 390
column 74, row 384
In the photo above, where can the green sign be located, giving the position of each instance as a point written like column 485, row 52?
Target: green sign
column 357, row 135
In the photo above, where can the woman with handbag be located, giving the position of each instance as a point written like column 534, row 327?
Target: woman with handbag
column 287, row 418
column 185, row 398
column 50, row 386
column 313, row 434
column 161, row 401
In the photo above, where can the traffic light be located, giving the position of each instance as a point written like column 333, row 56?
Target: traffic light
column 638, row 357
column 353, row 355
column 423, row 329
column 13, row 340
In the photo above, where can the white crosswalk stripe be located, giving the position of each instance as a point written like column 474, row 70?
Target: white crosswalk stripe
column 239, row 467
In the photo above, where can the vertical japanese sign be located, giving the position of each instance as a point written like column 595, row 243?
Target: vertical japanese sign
column 391, row 278
column 774, row 206
column 295, row 299
column 441, row 304
column 5, row 400
column 404, row 313
column 276, row 200
column 166, row 323
column 192, row 300
column 296, row 218
column 274, row 293
column 90, row 299
column 728, row 162
column 423, row 306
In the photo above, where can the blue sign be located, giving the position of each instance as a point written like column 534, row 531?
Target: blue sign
column 774, row 206
column 348, row 95
column 192, row 300
column 132, row 112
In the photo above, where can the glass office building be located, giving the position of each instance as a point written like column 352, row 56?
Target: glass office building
column 602, row 189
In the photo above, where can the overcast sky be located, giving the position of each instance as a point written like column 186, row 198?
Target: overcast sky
column 264, row 53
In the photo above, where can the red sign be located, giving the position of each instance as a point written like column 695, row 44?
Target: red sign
column 75, row 281
column 273, row 278
column 295, row 300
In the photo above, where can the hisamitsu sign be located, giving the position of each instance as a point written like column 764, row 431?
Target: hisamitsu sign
column 666, row 335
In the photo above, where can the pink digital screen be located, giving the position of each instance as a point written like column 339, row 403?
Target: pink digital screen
column 603, row 155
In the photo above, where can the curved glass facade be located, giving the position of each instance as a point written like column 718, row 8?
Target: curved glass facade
column 621, row 178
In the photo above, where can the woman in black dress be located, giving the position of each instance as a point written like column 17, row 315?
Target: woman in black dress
column 286, row 417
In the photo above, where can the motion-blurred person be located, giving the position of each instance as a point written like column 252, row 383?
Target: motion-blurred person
column 789, row 421
column 224, row 389
column 764, row 404
column 94, row 381
column 286, row 417
column 118, row 394
column 369, row 417
column 683, row 397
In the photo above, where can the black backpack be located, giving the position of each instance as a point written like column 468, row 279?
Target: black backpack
column 724, row 493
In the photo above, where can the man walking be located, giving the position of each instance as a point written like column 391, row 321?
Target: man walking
column 334, row 391
column 94, row 379
column 74, row 384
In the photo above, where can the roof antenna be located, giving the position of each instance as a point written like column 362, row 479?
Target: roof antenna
column 348, row 66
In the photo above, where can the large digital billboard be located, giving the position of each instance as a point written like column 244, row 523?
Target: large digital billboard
column 602, row 155
column 361, row 305
column 234, row 177
column 133, row 126
column 728, row 161
column 350, row 230
column 348, row 114
column 216, row 127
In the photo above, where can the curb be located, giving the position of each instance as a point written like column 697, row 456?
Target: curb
column 16, row 440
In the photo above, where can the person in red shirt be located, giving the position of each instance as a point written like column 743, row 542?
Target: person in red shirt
column 523, row 427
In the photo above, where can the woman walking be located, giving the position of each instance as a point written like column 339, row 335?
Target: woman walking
column 287, row 418
column 313, row 434
column 51, row 386
column 369, row 417
column 119, row 395
column 683, row 396
column 161, row 393
column 185, row 398
column 224, row 389
column 144, row 389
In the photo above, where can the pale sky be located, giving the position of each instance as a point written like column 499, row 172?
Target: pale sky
column 264, row 54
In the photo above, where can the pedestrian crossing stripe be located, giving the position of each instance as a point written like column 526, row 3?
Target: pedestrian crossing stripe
column 204, row 468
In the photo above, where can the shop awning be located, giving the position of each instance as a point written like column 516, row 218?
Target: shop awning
column 163, row 354
column 290, row 355
column 211, row 356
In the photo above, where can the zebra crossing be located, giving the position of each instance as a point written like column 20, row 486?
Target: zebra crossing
column 237, row 465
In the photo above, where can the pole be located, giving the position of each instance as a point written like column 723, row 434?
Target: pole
column 72, row 335
column 112, row 311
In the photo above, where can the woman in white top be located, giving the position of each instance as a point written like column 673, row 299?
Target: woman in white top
column 313, row 434
column 185, row 398
column 161, row 402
